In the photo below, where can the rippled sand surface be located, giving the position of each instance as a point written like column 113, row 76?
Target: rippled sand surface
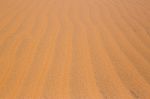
column 74, row 49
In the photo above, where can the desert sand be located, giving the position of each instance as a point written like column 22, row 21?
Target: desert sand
column 74, row 49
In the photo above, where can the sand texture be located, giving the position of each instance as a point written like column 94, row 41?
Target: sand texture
column 74, row 49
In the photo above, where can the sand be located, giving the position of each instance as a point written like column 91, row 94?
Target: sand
column 74, row 49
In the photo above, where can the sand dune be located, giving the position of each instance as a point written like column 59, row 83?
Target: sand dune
column 74, row 49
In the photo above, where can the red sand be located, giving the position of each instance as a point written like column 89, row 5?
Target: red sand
column 74, row 49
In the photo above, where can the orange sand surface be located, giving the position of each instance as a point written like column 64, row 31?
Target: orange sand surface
column 74, row 49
